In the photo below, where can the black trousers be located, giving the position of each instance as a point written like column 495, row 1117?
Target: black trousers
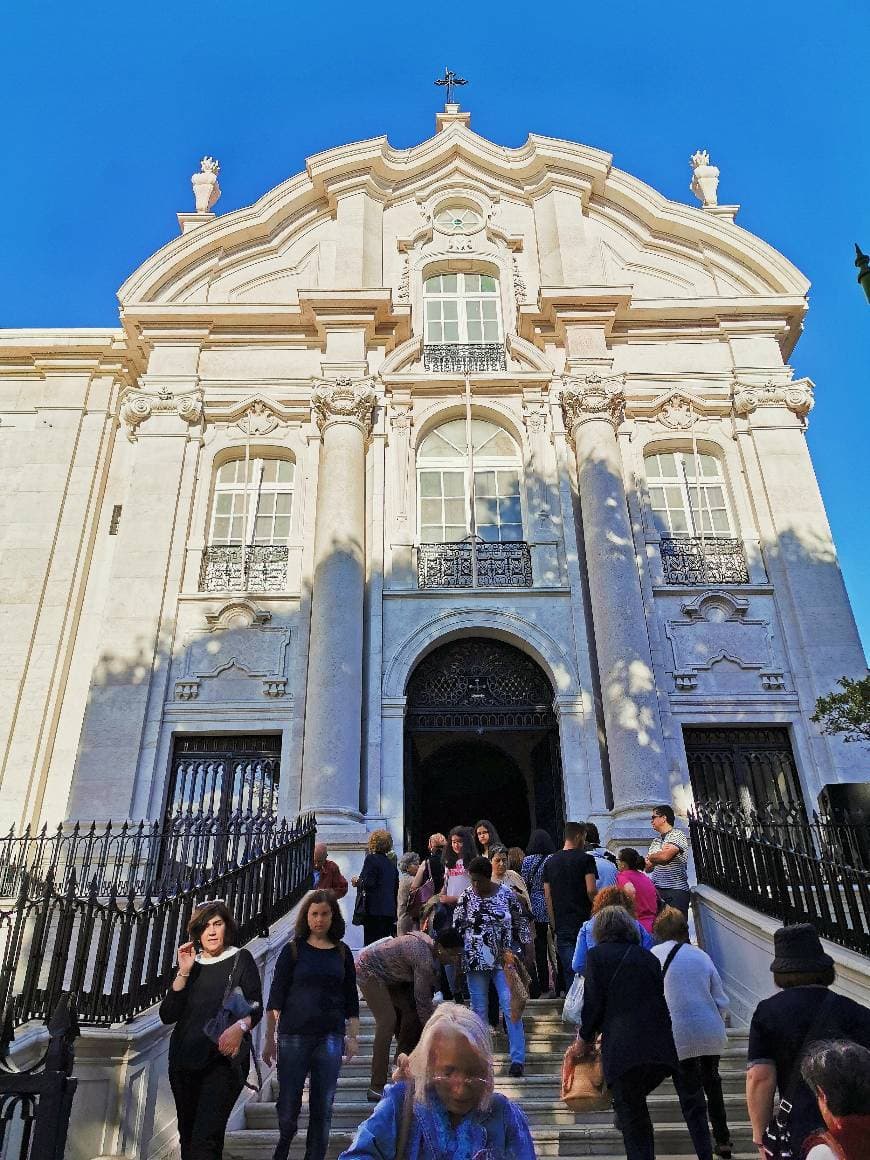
column 690, row 1089
column 542, row 962
column 629, row 1093
column 704, row 1069
column 203, row 1102
column 378, row 926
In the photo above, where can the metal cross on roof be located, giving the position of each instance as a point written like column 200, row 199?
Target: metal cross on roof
column 450, row 81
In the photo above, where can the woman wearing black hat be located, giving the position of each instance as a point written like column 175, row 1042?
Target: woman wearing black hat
column 784, row 1026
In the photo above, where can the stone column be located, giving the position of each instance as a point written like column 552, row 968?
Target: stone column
column 593, row 410
column 333, row 725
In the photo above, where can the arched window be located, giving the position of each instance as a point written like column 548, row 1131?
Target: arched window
column 253, row 504
column 461, row 308
column 687, row 494
column 467, row 490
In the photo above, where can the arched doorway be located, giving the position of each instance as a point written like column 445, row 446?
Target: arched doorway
column 481, row 740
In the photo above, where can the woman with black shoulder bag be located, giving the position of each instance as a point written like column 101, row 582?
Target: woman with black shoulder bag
column 215, row 999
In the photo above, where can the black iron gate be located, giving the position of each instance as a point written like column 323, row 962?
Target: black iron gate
column 751, row 767
column 224, row 776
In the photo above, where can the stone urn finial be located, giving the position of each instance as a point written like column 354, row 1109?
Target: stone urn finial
column 705, row 178
column 206, row 190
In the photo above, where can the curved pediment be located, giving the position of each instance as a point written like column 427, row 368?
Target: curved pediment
column 297, row 235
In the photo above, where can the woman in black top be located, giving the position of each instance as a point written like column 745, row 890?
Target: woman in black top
column 314, row 1001
column 487, row 837
column 380, row 880
column 207, row 1078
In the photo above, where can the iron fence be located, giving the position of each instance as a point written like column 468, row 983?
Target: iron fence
column 475, row 563
column 115, row 953
column 234, row 568
column 35, row 1102
column 464, row 357
column 793, row 869
column 175, row 855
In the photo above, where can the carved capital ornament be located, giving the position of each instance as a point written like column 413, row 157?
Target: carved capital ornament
column 137, row 406
column 592, row 398
column 796, row 396
column 344, row 401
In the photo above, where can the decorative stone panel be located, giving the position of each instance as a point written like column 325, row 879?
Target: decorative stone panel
column 240, row 652
column 715, row 627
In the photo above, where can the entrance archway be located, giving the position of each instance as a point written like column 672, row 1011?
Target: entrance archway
column 481, row 740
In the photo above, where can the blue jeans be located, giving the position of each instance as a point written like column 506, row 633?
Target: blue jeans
column 317, row 1056
column 565, row 945
column 478, row 990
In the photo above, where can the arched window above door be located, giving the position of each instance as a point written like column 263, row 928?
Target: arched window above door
column 469, row 487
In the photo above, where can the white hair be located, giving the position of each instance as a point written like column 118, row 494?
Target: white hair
column 452, row 1019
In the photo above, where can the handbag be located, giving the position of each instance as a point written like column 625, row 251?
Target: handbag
column 584, row 1088
column 573, row 1007
column 419, row 897
column 234, row 1006
column 776, row 1140
column 360, row 906
column 518, row 983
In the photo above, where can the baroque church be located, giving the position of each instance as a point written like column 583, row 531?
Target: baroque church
column 441, row 482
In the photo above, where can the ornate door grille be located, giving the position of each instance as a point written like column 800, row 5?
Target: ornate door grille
column 479, row 683
column 750, row 767
column 224, row 777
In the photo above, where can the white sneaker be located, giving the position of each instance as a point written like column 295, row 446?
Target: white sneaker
column 437, row 998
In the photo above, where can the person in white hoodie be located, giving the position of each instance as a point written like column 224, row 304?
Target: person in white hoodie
column 696, row 1000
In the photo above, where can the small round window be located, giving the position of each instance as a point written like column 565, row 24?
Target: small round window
column 458, row 219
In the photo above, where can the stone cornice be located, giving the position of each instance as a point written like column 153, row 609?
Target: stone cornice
column 591, row 397
column 344, row 401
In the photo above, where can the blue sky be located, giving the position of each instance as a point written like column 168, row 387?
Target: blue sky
column 107, row 110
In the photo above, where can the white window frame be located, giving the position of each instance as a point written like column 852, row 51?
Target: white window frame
column 463, row 298
column 693, row 490
column 250, row 499
column 469, row 466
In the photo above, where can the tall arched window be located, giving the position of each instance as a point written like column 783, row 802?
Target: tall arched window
column 249, row 526
column 461, row 308
column 253, row 504
column 687, row 494
column 467, row 489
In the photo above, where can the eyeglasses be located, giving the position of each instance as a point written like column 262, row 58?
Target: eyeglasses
column 475, row 1082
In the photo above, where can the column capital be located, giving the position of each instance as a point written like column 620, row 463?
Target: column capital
column 796, row 395
column 591, row 397
column 344, row 400
column 179, row 399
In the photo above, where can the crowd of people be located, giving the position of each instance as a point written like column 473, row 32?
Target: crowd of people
column 455, row 942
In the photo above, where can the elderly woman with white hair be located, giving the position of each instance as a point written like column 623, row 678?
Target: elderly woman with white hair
column 409, row 864
column 448, row 1108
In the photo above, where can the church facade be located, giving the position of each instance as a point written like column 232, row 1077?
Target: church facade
column 442, row 482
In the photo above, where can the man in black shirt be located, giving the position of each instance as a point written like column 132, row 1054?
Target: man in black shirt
column 569, row 887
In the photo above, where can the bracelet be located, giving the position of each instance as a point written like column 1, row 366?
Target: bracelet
column 182, row 975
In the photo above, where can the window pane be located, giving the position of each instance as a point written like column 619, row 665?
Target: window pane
column 472, row 283
column 451, row 332
column 508, row 483
column 674, row 497
column 454, row 483
column 512, row 532
column 709, row 465
column 657, row 497
column 430, row 511
column 434, row 332
column 472, row 310
column 489, row 309
column 454, row 532
column 433, row 285
column 430, row 534
column 475, row 332
column 720, row 523
column 282, row 503
column 485, row 511
column 484, row 483
column 448, row 283
column 509, row 510
column 454, row 511
column 267, row 503
column 430, row 483
column 263, row 529
column 270, row 471
column 667, row 466
column 488, row 532
column 285, row 471
column 237, row 528
column 433, row 309
column 678, row 522
column 487, row 283
column 221, row 529
column 222, row 504
column 714, row 496
column 502, row 445
column 227, row 472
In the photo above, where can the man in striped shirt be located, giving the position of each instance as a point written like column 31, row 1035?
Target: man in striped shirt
column 667, row 860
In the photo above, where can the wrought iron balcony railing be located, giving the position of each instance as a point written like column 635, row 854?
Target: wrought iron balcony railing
column 474, row 563
column 258, row 568
column 464, row 357
column 703, row 560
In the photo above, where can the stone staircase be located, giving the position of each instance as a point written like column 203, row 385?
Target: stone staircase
column 557, row 1131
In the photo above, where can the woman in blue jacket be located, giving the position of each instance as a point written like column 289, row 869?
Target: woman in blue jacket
column 447, row 1108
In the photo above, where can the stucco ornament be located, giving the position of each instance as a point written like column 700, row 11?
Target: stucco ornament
column 705, row 178
column 259, row 419
column 519, row 284
column 678, row 413
column 797, row 396
column 592, row 397
column 344, row 401
column 138, row 405
column 206, row 190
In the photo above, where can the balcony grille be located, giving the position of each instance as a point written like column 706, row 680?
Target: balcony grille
column 464, row 357
column 474, row 563
column 709, row 560
column 264, row 568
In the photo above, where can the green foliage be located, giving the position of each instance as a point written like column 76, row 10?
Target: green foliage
column 847, row 712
